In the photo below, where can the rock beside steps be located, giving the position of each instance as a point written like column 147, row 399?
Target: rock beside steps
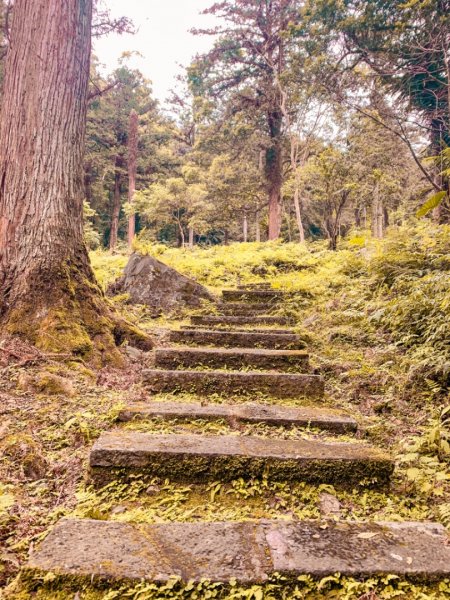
column 99, row 551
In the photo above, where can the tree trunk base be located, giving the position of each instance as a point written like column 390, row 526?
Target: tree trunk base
column 67, row 313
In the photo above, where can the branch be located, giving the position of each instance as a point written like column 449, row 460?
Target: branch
column 98, row 92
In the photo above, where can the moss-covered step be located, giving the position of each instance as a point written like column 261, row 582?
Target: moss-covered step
column 254, row 286
column 91, row 551
column 230, row 320
column 237, row 414
column 252, row 296
column 238, row 339
column 242, row 309
column 277, row 385
column 219, row 327
column 196, row 458
column 232, row 358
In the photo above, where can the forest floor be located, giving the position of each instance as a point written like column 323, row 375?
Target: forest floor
column 376, row 317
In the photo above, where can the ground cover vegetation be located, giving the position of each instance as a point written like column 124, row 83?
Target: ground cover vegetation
column 374, row 314
column 309, row 149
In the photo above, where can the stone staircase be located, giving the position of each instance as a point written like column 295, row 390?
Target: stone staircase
column 214, row 359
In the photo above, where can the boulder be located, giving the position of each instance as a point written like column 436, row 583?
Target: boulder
column 150, row 282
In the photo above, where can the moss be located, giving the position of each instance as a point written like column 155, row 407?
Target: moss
column 69, row 314
column 26, row 454
column 371, row 472
column 47, row 383
column 39, row 586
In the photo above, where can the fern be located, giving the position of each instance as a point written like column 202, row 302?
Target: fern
column 444, row 514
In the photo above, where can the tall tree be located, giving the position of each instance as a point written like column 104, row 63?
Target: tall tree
column 132, row 167
column 5, row 11
column 245, row 68
column 48, row 290
column 407, row 45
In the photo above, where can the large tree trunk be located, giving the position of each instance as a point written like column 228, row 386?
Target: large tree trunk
column 274, row 173
column 132, row 168
column 48, row 290
column 115, row 213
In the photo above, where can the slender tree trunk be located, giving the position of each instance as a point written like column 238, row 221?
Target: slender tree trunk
column 378, row 214
column 386, row 219
column 226, row 237
column 132, row 169
column 48, row 292
column 115, row 213
column 245, row 228
column 294, row 167
column 274, row 173
column 257, row 227
column 191, row 237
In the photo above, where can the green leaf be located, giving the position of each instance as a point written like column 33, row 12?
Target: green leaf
column 431, row 204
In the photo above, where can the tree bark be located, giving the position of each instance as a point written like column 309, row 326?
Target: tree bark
column 257, row 227
column 132, row 169
column 191, row 237
column 48, row 292
column 274, row 173
column 115, row 213
column 245, row 228
column 378, row 214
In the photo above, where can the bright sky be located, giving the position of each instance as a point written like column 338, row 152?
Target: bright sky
column 163, row 38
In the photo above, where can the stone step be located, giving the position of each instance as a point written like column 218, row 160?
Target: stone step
column 236, row 414
column 245, row 320
column 275, row 360
column 250, row 552
column 198, row 458
column 252, row 296
column 242, row 309
column 277, row 385
column 240, row 330
column 255, row 286
column 238, row 339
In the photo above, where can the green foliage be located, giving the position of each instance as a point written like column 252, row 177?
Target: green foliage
column 411, row 276
column 431, row 204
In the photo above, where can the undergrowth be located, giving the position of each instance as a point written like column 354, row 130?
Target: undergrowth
column 377, row 319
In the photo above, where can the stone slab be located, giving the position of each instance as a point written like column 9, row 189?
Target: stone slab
column 218, row 327
column 278, row 385
column 238, row 358
column 197, row 458
column 250, row 552
column 241, row 309
column 238, row 339
column 253, row 296
column 227, row 320
column 236, row 414
column 255, row 286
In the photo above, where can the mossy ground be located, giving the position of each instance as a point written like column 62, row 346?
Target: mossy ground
column 393, row 384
